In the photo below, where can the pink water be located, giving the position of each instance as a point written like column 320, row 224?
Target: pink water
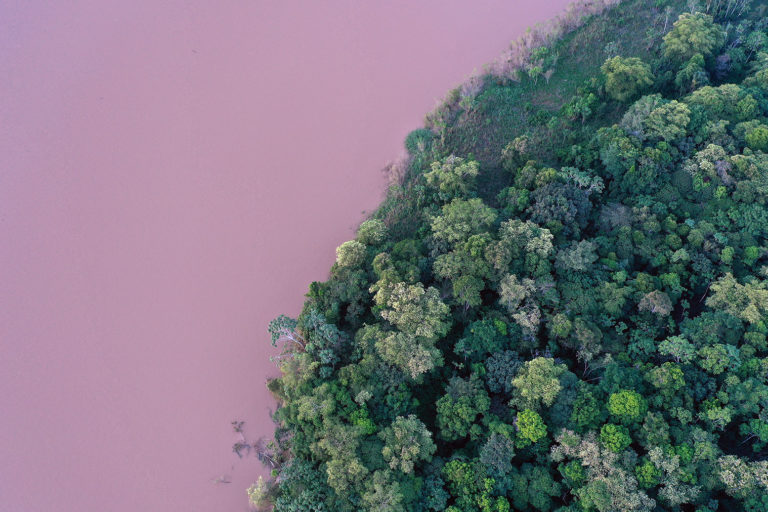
column 172, row 176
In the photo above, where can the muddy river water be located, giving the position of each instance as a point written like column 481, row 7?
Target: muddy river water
column 172, row 176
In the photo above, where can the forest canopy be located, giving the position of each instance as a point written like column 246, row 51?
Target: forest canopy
column 562, row 304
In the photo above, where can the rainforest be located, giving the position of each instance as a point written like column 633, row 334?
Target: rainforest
column 562, row 303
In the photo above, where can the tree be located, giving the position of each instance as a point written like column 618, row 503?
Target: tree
column 757, row 139
column 678, row 348
column 482, row 338
column 283, row 328
column 372, row 232
column 466, row 290
column 627, row 406
column 468, row 485
column 540, row 488
column 647, row 474
column 608, row 485
column 714, row 358
column 538, row 382
column 656, row 302
column 461, row 219
column 413, row 355
column 259, row 493
column 453, row 177
column 586, row 411
column 668, row 122
column 692, row 34
column 560, row 206
column 673, row 490
column 383, row 493
column 459, row 407
column 578, row 257
column 501, row 368
column 749, row 302
column 667, row 378
column 626, row 78
column 302, row 488
column 414, row 310
column 517, row 297
column 406, row 442
column 496, row 455
column 530, row 427
column 693, row 75
column 522, row 247
column 338, row 446
column 615, row 437
column 350, row 254
column 742, row 478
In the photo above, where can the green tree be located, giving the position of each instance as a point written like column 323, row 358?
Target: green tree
column 627, row 406
column 748, row 302
column 647, row 474
column 586, row 411
column 743, row 478
column 453, row 177
column 692, row 34
column 383, row 493
column 350, row 254
column 517, row 297
column 626, row 78
column 615, row 437
column 461, row 219
column 501, row 368
column 259, row 493
column 458, row 409
column 656, row 302
column 406, row 442
column 678, row 348
column 496, row 455
column 538, row 382
column 530, row 426
column 413, row 309
column 413, row 355
column 714, row 358
column 372, row 232
column 693, row 75
column 668, row 122
column 757, row 139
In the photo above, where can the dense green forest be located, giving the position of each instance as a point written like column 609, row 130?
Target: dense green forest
column 562, row 303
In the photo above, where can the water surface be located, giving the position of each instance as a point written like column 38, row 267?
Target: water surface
column 172, row 176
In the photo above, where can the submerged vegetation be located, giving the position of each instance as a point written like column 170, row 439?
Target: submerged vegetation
column 562, row 303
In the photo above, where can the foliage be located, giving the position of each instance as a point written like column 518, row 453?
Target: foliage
column 406, row 441
column 693, row 34
column 563, row 303
column 626, row 78
column 530, row 426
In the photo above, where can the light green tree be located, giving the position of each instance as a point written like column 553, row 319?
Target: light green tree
column 627, row 406
column 692, row 34
column 626, row 78
column 406, row 442
column 372, row 232
column 452, row 177
column 383, row 493
column 749, row 302
column 414, row 310
column 538, row 382
column 413, row 355
column 615, row 437
column 530, row 427
column 350, row 254
column 259, row 493
column 461, row 219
